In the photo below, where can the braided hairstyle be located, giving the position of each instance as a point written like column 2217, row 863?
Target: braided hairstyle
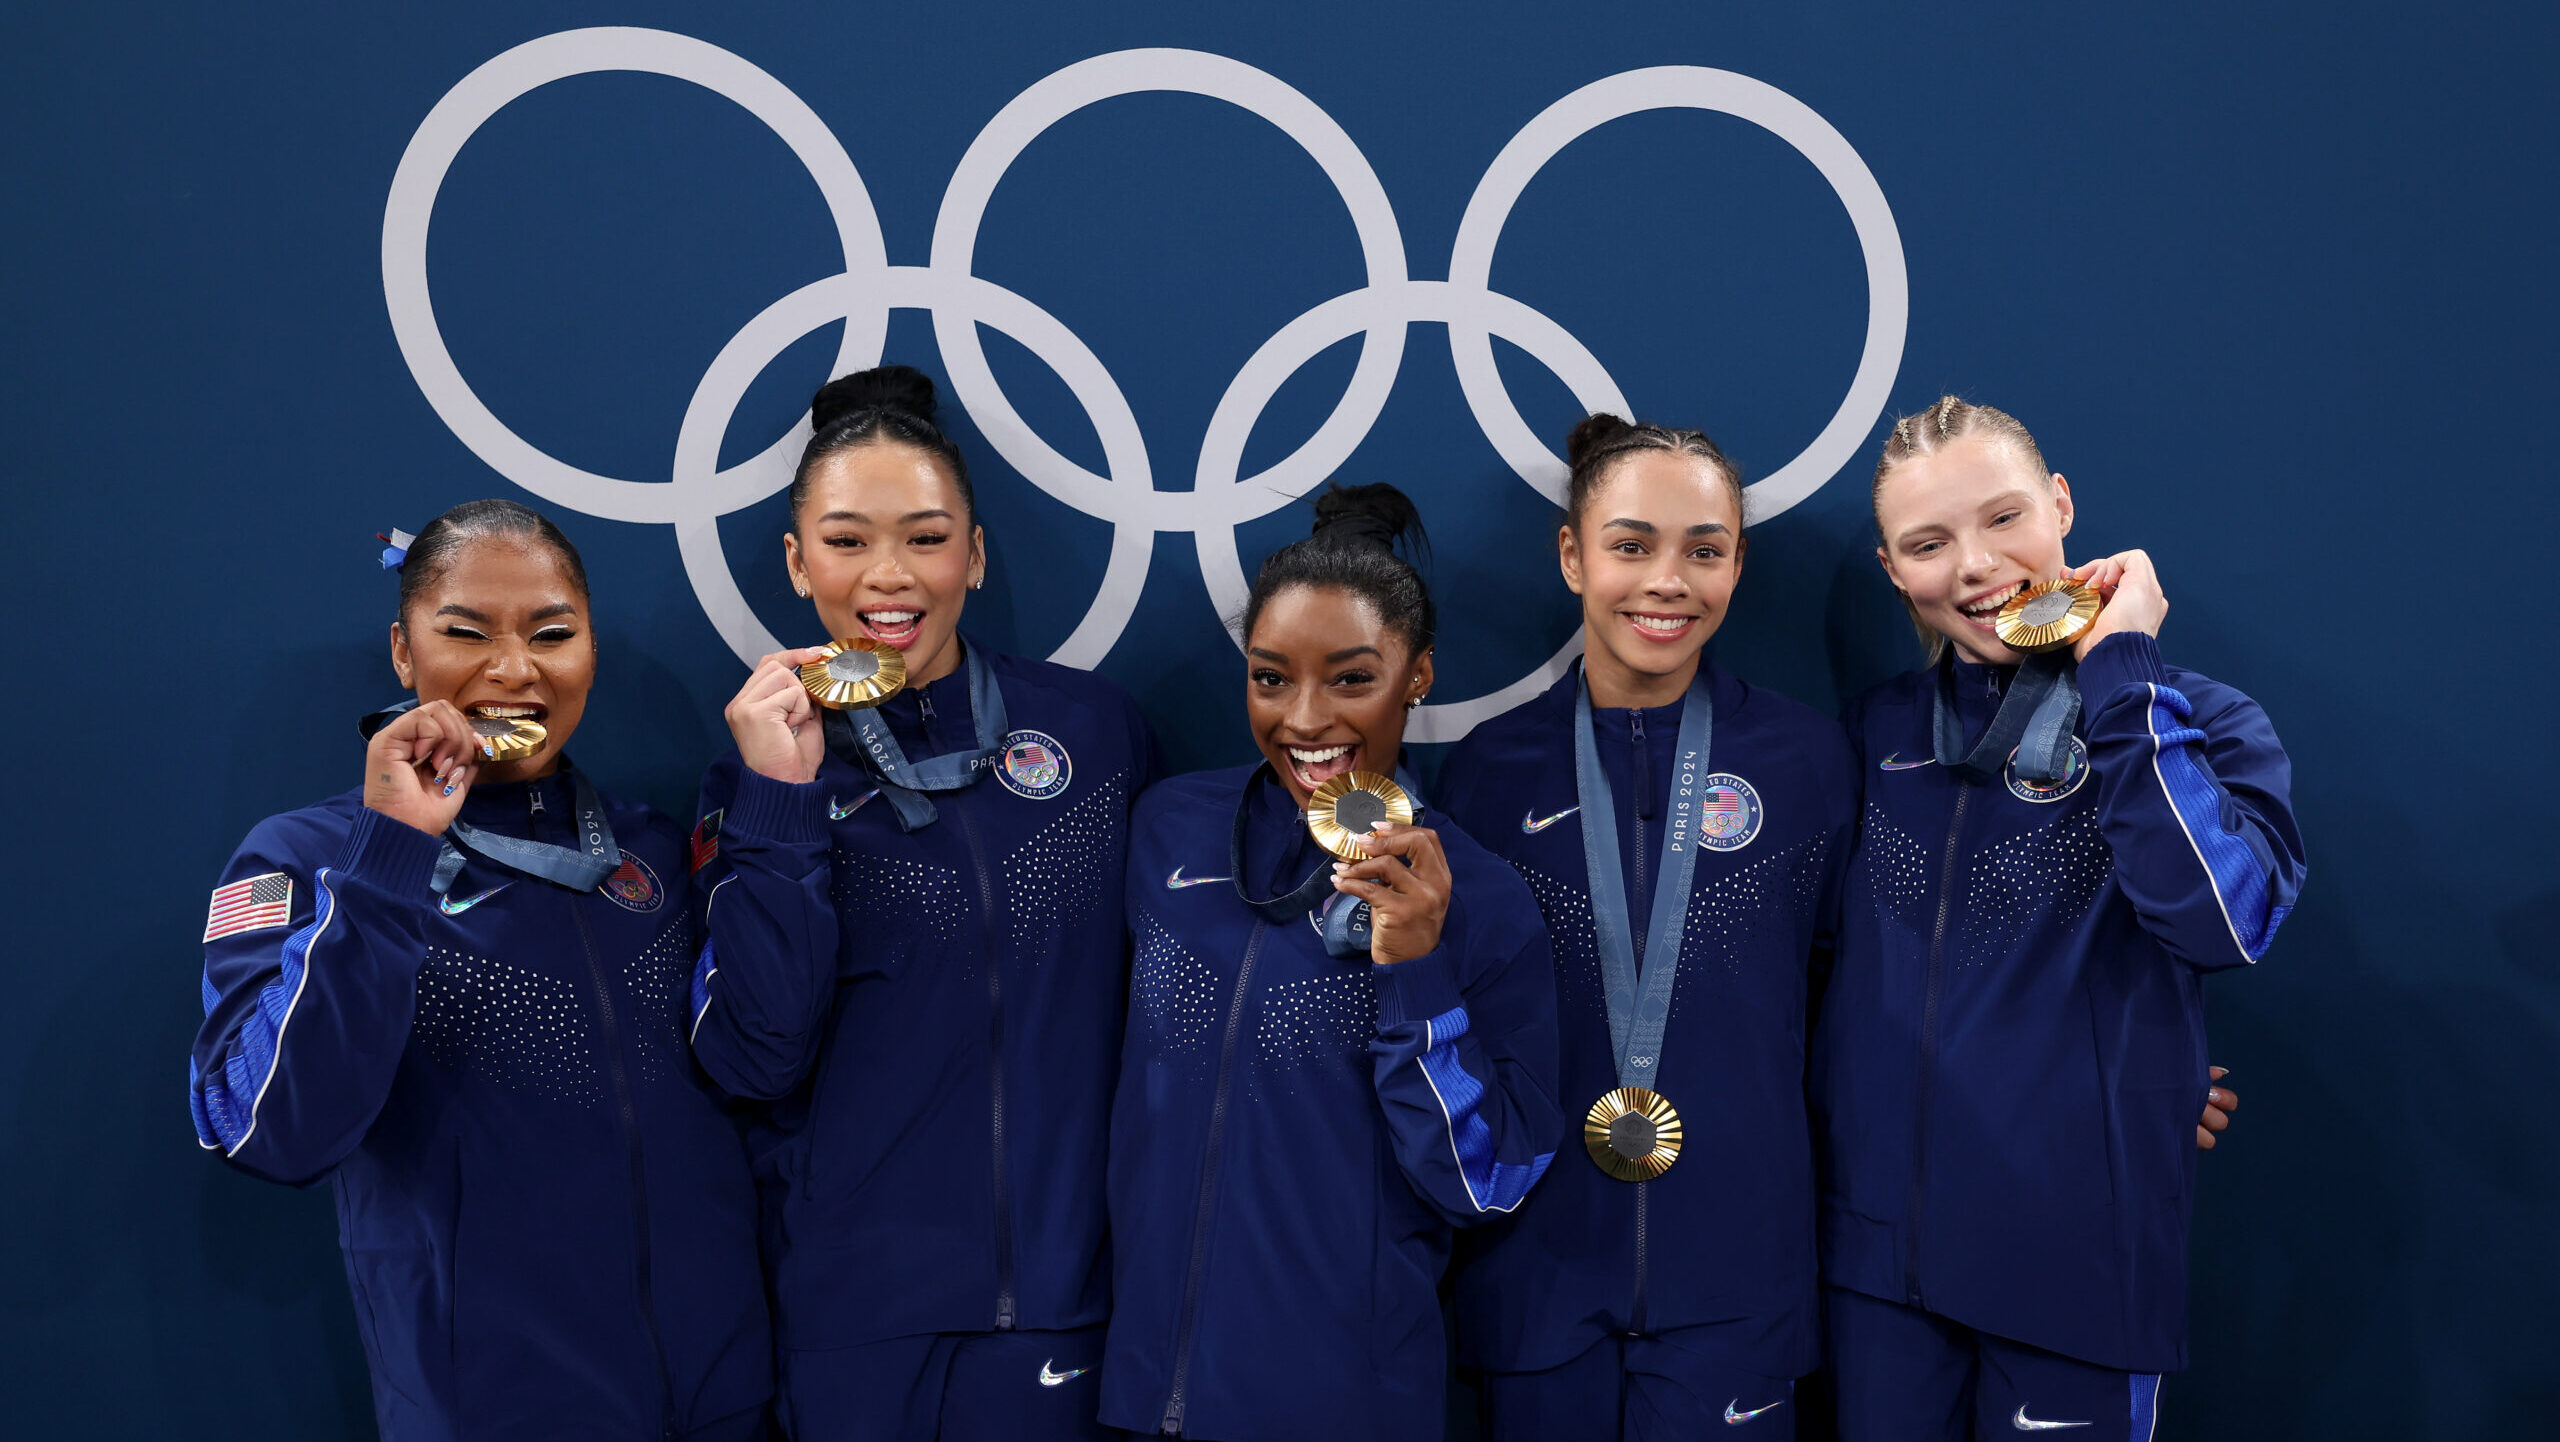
column 883, row 405
column 1353, row 548
column 1925, row 433
column 1952, row 419
column 432, row 553
column 1600, row 439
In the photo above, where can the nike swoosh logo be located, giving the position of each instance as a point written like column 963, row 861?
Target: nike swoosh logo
column 1895, row 762
column 1052, row 1379
column 451, row 907
column 1736, row 1419
column 1531, row 826
column 838, row 811
column 2025, row 1423
column 1177, row 880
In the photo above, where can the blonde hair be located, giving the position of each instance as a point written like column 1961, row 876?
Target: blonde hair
column 1925, row 433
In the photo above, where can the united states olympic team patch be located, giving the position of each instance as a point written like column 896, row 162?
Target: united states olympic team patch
column 1731, row 816
column 635, row 887
column 1034, row 765
column 2075, row 774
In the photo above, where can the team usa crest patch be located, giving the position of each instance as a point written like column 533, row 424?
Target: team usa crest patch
column 1731, row 815
column 249, row 904
column 2075, row 773
column 1034, row 765
column 635, row 887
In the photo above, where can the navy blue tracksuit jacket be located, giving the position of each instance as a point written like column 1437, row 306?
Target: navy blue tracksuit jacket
column 935, row 1016
column 2011, row 1056
column 1725, row 1236
column 548, row 1223
column 1295, row 1135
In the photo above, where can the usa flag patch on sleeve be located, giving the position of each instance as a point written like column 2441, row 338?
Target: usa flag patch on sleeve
column 249, row 904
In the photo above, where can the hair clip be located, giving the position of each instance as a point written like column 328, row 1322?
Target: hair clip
column 396, row 553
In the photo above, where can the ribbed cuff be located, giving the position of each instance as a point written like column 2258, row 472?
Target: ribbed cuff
column 2127, row 658
column 392, row 856
column 783, row 813
column 1416, row 990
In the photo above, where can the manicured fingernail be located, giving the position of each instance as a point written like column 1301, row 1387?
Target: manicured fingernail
column 1340, row 867
column 489, row 750
column 448, row 788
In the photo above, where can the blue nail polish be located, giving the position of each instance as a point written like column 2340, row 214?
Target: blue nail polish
column 488, row 750
column 448, row 788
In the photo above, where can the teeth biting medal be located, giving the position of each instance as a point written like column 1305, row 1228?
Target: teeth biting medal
column 1349, row 806
column 854, row 673
column 508, row 738
column 2047, row 616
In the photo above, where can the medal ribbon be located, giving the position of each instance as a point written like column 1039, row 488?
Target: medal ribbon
column 1344, row 927
column 2034, row 720
column 580, row 868
column 863, row 738
column 1640, row 1002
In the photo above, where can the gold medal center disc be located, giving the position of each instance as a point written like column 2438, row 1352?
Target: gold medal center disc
column 1633, row 1134
column 2047, row 616
column 853, row 673
column 509, row 738
column 1345, row 808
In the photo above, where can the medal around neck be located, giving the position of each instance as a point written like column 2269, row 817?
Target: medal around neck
column 1633, row 1134
column 508, row 738
column 2047, row 616
column 854, row 673
column 1346, row 808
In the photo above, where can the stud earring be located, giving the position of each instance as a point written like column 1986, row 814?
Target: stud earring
column 803, row 590
column 979, row 584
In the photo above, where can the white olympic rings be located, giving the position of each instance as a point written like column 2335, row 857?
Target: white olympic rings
column 699, row 492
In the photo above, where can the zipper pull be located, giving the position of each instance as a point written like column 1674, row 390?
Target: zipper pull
column 534, row 794
column 925, row 702
column 1635, row 725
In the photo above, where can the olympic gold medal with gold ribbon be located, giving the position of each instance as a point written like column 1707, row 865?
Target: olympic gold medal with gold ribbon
column 1345, row 809
column 508, row 738
column 1633, row 1134
column 853, row 673
column 2047, row 616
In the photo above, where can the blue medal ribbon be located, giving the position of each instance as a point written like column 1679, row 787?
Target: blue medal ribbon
column 863, row 738
column 2035, row 720
column 583, row 867
column 1640, row 1000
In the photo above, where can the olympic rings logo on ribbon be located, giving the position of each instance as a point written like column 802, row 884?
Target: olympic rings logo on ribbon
column 699, row 492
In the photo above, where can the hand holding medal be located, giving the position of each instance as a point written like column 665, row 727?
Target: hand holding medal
column 418, row 768
column 1395, row 866
column 774, row 720
column 2130, row 590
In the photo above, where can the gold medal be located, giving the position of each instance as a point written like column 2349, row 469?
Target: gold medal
column 1345, row 808
column 2047, row 617
column 854, row 673
column 1633, row 1134
column 508, row 738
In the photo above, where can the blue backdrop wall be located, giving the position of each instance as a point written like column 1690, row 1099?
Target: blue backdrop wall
column 2272, row 284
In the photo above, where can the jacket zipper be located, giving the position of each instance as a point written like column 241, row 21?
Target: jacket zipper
column 1926, row 1083
column 1190, row 1315
column 1639, row 919
column 1001, row 1171
column 629, row 1114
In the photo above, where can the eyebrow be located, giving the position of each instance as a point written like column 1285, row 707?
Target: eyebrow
column 465, row 612
column 909, row 519
column 556, row 608
column 1647, row 528
column 1347, row 652
column 1711, row 528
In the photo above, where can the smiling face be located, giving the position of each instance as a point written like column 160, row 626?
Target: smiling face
column 1966, row 527
column 883, row 545
column 1654, row 556
column 502, row 634
column 1326, row 682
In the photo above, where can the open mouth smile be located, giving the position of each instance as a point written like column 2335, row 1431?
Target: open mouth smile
column 892, row 625
column 1316, row 765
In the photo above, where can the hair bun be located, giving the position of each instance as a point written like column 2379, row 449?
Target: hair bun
column 1376, row 514
column 881, row 388
column 1592, row 431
